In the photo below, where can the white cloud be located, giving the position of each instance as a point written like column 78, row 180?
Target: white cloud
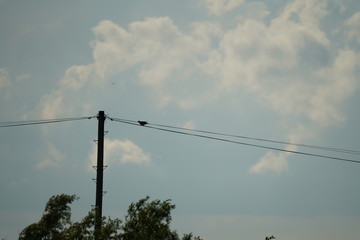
column 253, row 48
column 4, row 78
column 54, row 156
column 286, row 63
column 353, row 25
column 219, row 7
column 271, row 162
column 277, row 162
column 23, row 77
column 189, row 124
column 166, row 57
column 65, row 99
column 123, row 151
column 253, row 10
column 76, row 77
column 155, row 41
column 319, row 97
column 339, row 82
column 342, row 6
column 51, row 105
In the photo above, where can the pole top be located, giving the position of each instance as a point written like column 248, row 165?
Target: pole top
column 101, row 115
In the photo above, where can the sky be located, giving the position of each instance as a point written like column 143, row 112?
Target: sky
column 278, row 70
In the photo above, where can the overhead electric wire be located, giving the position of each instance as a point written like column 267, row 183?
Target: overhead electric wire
column 340, row 150
column 167, row 128
column 264, row 140
column 136, row 123
column 38, row 122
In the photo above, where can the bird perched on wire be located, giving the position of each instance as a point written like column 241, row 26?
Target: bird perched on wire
column 142, row 123
column 269, row 238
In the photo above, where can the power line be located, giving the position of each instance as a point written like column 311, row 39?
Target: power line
column 38, row 122
column 355, row 152
column 340, row 150
column 155, row 127
column 179, row 130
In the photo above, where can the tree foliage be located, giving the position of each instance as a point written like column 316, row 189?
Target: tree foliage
column 84, row 230
column 149, row 220
column 145, row 220
column 53, row 222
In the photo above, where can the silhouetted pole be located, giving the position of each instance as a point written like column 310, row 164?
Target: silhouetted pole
column 99, row 176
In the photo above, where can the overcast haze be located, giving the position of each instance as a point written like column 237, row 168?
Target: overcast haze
column 275, row 69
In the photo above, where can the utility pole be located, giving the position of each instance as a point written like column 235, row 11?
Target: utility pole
column 99, row 176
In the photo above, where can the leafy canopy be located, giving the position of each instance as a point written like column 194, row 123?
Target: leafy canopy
column 145, row 220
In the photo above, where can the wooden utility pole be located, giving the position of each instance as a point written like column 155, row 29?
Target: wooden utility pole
column 99, row 175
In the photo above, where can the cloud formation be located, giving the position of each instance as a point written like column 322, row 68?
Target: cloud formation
column 353, row 25
column 189, row 124
column 121, row 151
column 287, row 64
column 219, row 7
column 52, row 159
column 271, row 162
column 4, row 78
column 164, row 57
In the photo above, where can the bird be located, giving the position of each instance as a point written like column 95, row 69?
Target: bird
column 269, row 238
column 142, row 123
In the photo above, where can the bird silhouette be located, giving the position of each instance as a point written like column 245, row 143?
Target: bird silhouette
column 269, row 238
column 142, row 123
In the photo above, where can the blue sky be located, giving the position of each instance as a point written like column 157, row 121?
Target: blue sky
column 283, row 70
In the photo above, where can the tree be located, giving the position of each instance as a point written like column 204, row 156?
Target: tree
column 84, row 230
column 55, row 218
column 146, row 220
column 149, row 220
column 56, row 224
